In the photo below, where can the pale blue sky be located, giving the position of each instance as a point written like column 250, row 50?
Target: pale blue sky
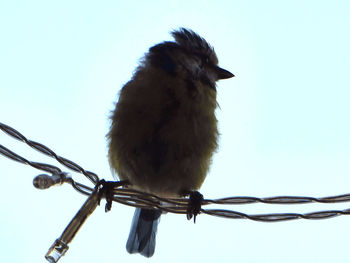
column 284, row 122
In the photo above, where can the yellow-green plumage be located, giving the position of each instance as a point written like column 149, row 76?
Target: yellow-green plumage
column 156, row 112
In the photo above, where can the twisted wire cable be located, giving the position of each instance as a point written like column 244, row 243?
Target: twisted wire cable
column 131, row 197
column 44, row 150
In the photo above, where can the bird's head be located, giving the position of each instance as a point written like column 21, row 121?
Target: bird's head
column 190, row 57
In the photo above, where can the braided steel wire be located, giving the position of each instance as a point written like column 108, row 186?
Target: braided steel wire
column 131, row 197
column 44, row 150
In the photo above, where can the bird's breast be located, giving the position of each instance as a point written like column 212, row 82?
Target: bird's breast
column 162, row 139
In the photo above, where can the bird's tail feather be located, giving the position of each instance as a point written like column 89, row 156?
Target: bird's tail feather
column 142, row 237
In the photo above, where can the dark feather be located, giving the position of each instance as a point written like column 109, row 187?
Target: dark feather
column 142, row 237
column 195, row 44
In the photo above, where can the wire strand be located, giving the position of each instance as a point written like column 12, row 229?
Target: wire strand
column 131, row 197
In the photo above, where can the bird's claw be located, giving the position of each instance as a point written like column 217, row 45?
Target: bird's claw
column 194, row 205
column 107, row 191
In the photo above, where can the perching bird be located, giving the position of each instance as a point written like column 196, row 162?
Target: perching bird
column 164, row 130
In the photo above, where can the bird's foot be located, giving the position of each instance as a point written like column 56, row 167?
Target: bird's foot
column 107, row 191
column 194, row 204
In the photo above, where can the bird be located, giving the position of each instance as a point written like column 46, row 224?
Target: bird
column 163, row 130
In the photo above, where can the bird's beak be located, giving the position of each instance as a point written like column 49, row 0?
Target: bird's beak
column 223, row 73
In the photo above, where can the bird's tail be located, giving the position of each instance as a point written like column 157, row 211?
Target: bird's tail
column 142, row 237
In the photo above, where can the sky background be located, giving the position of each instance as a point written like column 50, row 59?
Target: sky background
column 284, row 123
